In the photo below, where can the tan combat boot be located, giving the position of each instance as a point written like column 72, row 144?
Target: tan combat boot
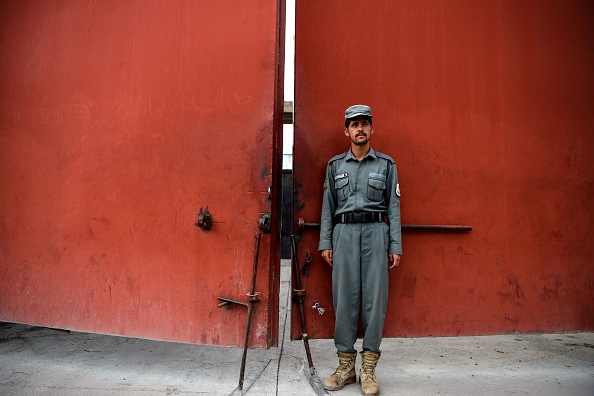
column 369, row 384
column 344, row 374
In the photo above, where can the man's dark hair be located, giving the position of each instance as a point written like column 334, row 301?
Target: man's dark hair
column 348, row 121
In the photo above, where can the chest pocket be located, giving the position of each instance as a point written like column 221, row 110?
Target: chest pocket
column 376, row 187
column 342, row 188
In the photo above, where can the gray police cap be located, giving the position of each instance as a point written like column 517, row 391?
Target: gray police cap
column 357, row 110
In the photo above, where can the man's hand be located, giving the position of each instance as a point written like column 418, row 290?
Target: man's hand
column 394, row 259
column 327, row 255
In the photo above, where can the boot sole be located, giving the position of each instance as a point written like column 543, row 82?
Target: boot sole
column 348, row 381
column 368, row 394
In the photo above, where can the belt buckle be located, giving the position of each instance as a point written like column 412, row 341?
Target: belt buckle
column 357, row 217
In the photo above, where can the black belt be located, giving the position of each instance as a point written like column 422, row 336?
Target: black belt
column 359, row 217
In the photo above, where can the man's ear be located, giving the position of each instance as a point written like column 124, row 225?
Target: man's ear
column 346, row 132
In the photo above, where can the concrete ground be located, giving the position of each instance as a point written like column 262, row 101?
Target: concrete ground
column 40, row 361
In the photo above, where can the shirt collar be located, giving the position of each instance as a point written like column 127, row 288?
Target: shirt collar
column 370, row 153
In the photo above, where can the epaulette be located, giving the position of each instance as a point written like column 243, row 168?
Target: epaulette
column 337, row 157
column 384, row 156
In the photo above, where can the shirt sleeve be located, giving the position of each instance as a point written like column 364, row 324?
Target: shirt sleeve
column 328, row 210
column 393, row 208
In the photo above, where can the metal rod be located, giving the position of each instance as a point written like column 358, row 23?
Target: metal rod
column 299, row 301
column 255, row 267
column 250, row 306
column 227, row 301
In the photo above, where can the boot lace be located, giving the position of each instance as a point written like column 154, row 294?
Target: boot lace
column 343, row 367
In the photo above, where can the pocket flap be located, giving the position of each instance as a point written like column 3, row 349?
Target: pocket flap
column 377, row 176
column 379, row 184
column 340, row 183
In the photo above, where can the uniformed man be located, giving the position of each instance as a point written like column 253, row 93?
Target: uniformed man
column 360, row 238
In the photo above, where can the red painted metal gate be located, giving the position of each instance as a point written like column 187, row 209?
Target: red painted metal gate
column 487, row 109
column 120, row 122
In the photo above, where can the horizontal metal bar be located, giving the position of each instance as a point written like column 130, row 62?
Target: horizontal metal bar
column 310, row 225
column 230, row 301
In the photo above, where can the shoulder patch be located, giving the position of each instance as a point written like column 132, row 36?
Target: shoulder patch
column 397, row 189
column 337, row 157
column 384, row 156
column 325, row 184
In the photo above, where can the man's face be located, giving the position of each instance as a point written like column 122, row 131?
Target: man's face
column 359, row 131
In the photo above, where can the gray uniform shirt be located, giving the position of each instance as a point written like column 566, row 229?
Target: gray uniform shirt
column 369, row 185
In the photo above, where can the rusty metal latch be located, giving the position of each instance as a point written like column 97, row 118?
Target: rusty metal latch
column 265, row 223
column 204, row 220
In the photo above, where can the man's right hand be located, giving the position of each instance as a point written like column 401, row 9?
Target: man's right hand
column 327, row 255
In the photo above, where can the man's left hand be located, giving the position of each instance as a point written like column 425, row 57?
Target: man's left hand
column 394, row 260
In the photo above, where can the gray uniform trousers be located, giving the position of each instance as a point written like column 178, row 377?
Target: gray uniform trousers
column 360, row 268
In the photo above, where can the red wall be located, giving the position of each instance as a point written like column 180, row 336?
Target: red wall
column 487, row 109
column 119, row 121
